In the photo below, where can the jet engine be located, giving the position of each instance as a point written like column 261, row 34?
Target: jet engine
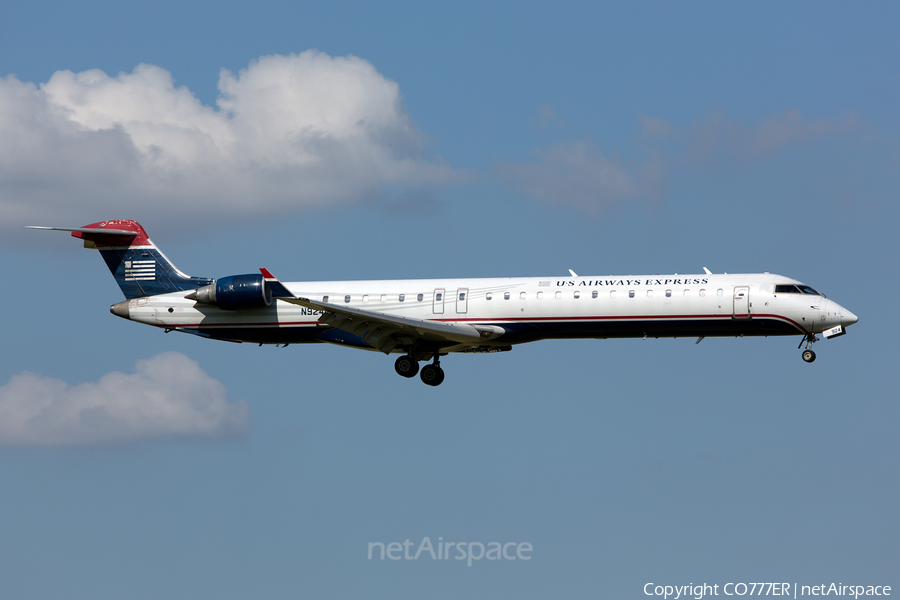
column 234, row 293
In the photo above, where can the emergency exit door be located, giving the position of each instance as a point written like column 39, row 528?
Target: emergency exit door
column 462, row 300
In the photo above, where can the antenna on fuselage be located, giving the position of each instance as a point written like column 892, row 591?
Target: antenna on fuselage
column 708, row 272
column 573, row 273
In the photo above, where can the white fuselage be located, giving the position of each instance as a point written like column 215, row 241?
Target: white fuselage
column 528, row 308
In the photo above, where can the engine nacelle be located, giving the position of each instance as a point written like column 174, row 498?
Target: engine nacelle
column 235, row 293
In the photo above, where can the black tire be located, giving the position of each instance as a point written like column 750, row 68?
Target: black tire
column 406, row 366
column 432, row 375
column 809, row 356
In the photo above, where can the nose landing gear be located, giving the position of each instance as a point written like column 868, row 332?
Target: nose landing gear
column 808, row 355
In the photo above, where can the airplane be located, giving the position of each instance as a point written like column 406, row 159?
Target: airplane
column 425, row 319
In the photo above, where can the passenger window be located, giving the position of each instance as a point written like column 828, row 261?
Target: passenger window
column 594, row 294
column 577, row 294
column 649, row 293
column 462, row 296
column 439, row 297
column 612, row 294
column 488, row 296
column 324, row 298
column 506, row 296
column 540, row 295
column 687, row 293
column 558, row 295
column 402, row 297
column 631, row 293
column 668, row 293
column 521, row 295
column 347, row 298
column 719, row 292
column 702, row 293
column 419, row 297
column 365, row 297
column 384, row 297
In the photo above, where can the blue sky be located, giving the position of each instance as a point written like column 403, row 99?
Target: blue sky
column 401, row 140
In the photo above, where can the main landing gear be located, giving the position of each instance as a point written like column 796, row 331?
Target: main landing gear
column 432, row 374
column 808, row 354
column 406, row 366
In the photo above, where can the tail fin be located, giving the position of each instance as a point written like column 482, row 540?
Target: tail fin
column 140, row 268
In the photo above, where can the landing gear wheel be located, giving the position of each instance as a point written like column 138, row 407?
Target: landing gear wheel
column 809, row 356
column 406, row 366
column 432, row 375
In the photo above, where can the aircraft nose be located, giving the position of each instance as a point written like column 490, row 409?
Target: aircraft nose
column 848, row 318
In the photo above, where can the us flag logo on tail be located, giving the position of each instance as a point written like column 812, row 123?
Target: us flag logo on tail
column 140, row 270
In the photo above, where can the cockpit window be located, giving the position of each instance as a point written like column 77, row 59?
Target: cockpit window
column 795, row 289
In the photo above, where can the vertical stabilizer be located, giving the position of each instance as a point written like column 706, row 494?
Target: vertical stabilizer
column 140, row 268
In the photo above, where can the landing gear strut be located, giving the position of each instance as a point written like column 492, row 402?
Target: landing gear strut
column 407, row 366
column 808, row 355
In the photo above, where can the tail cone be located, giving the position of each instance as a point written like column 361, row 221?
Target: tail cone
column 120, row 309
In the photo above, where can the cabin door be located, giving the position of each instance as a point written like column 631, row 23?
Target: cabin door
column 741, row 303
column 439, row 301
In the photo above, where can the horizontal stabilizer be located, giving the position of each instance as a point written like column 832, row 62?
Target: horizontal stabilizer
column 90, row 230
column 106, row 234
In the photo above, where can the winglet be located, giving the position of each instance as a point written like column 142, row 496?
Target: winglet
column 278, row 289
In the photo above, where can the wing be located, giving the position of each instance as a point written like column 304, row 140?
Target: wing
column 385, row 331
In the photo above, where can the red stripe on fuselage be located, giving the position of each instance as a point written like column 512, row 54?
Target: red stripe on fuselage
column 620, row 318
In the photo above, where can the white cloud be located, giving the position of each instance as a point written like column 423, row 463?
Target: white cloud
column 287, row 132
column 168, row 396
column 572, row 174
